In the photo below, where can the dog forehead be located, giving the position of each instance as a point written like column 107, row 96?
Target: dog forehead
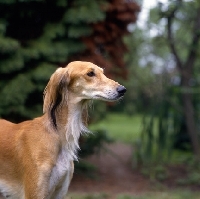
column 79, row 67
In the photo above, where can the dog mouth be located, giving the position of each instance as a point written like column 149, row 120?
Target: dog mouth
column 110, row 95
column 110, row 99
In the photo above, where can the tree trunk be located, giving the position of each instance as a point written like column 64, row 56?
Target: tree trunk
column 186, row 69
column 188, row 109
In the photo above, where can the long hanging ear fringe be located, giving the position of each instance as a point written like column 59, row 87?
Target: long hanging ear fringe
column 54, row 95
column 58, row 100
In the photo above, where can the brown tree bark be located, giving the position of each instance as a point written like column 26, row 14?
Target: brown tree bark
column 186, row 69
column 188, row 110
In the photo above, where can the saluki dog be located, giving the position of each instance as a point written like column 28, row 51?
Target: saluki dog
column 36, row 156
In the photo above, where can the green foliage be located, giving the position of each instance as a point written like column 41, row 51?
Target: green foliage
column 89, row 145
column 83, row 10
column 155, row 172
column 85, row 168
column 97, row 111
column 190, row 179
column 36, row 37
column 16, row 85
column 192, row 176
column 164, row 195
column 12, row 64
column 144, row 84
column 89, row 196
column 77, row 31
column 178, row 194
column 8, row 45
column 120, row 126
column 155, row 147
column 161, row 136
column 94, row 142
column 2, row 28
column 149, row 51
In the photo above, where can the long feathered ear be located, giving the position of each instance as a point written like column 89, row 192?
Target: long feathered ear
column 55, row 93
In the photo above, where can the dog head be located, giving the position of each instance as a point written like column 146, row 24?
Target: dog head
column 87, row 81
column 82, row 81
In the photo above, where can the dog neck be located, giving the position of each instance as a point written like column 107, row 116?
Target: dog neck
column 70, row 125
column 75, row 127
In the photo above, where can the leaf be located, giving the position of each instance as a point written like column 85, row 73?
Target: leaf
column 12, row 64
column 78, row 31
column 8, row 45
column 83, row 12
column 15, row 92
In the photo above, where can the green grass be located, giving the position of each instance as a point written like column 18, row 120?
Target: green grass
column 120, row 127
column 164, row 195
column 153, row 195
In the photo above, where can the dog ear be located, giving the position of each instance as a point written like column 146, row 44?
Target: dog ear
column 55, row 93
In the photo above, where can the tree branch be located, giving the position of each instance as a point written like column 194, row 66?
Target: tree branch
column 170, row 17
column 192, row 54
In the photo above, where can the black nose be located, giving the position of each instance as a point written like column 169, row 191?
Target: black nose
column 121, row 90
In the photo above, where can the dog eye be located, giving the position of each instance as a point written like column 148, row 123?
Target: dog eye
column 91, row 74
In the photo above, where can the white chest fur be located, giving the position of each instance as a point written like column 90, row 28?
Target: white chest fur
column 74, row 128
column 60, row 170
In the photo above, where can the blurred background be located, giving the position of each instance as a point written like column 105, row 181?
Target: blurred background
column 145, row 146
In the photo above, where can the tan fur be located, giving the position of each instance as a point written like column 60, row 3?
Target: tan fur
column 36, row 156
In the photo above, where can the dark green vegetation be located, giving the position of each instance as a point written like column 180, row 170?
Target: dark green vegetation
column 156, row 195
column 159, row 65
column 37, row 36
column 120, row 127
column 168, row 45
column 154, row 152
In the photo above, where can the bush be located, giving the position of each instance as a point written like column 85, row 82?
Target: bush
column 90, row 144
